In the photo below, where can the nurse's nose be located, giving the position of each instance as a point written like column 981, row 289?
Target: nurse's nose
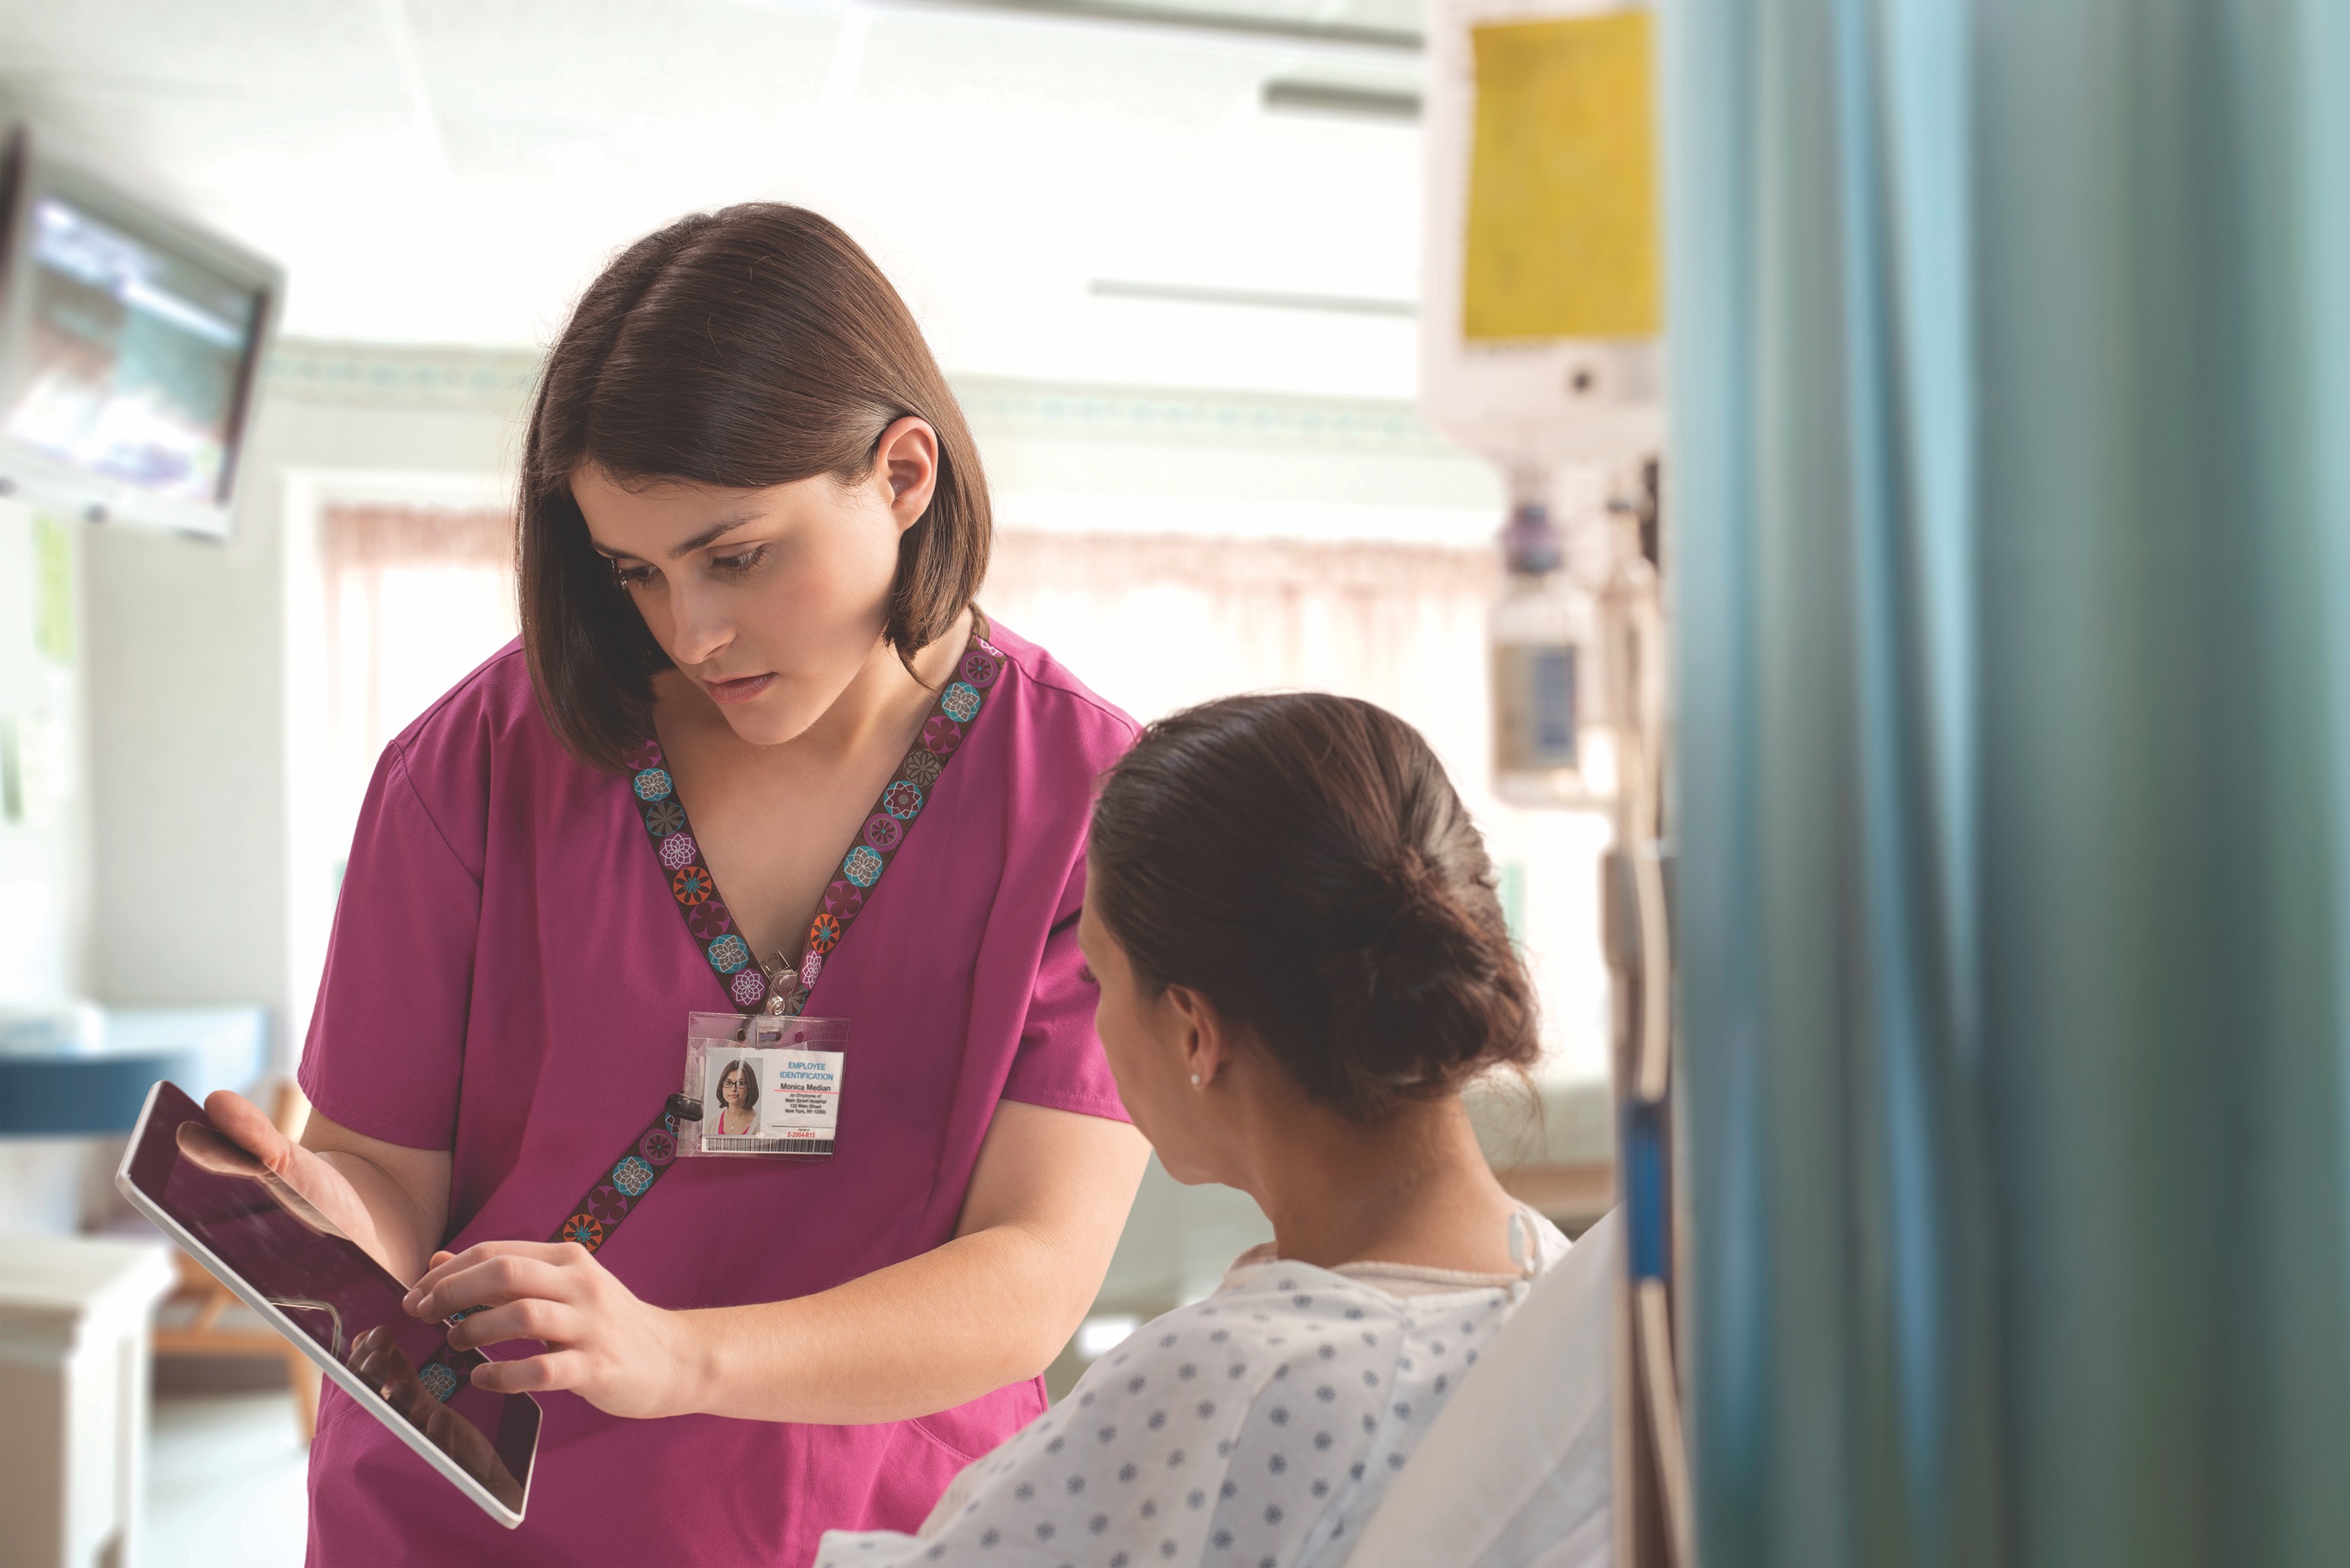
column 698, row 631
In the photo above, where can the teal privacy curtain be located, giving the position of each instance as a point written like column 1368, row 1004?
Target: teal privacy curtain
column 2012, row 425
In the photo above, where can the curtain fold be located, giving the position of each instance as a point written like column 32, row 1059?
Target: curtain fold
column 2012, row 611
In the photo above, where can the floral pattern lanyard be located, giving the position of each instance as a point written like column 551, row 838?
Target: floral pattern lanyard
column 772, row 987
column 752, row 987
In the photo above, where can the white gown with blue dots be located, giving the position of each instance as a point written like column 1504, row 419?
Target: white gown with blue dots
column 1257, row 1428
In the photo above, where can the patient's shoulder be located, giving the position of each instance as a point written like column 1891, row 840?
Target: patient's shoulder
column 1215, row 1357
column 1263, row 1422
column 1247, row 1314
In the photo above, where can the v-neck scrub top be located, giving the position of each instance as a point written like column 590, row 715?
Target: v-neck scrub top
column 508, row 980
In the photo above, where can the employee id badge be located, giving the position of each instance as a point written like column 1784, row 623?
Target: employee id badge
column 765, row 1084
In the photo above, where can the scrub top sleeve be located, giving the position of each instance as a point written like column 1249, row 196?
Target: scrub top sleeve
column 387, row 1039
column 1059, row 1064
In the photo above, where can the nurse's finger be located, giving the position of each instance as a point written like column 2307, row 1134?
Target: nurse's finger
column 444, row 1263
column 533, row 1374
column 480, row 1251
column 493, row 1282
column 246, row 1125
column 550, row 1323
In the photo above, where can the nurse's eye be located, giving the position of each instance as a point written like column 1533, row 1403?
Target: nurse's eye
column 1085, row 973
column 739, row 564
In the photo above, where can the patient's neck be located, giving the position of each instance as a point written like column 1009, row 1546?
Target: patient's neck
column 1414, row 1189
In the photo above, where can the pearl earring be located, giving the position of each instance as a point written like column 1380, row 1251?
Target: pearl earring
column 1195, row 1080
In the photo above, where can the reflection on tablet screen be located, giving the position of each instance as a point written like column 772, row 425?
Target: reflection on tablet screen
column 328, row 1287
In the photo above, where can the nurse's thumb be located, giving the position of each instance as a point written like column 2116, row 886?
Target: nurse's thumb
column 244, row 1124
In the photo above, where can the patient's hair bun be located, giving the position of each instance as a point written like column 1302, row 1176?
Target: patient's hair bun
column 1302, row 862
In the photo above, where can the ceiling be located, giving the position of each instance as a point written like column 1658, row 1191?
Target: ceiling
column 454, row 171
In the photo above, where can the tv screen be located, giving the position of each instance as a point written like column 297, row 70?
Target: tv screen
column 131, row 348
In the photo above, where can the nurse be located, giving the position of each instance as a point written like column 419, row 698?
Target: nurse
column 756, row 750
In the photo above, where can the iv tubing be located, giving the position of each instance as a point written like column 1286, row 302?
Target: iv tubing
column 1665, row 1414
column 1653, row 1076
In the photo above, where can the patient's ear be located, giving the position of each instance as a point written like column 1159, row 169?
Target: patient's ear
column 1204, row 1035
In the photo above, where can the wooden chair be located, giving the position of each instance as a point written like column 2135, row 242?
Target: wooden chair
column 202, row 1318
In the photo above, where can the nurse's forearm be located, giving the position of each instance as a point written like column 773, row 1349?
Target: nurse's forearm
column 405, row 1235
column 1047, row 1199
column 920, row 1337
column 404, row 1191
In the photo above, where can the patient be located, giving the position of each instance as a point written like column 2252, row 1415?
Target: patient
column 1300, row 962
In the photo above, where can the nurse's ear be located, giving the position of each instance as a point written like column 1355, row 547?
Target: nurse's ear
column 906, row 461
column 1203, row 1036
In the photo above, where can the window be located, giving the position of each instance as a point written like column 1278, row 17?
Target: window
column 417, row 595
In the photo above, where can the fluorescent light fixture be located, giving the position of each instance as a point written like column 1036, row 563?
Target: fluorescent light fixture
column 1254, row 298
column 1199, row 19
column 1291, row 96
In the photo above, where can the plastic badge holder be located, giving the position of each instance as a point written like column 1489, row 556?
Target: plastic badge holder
column 764, row 1085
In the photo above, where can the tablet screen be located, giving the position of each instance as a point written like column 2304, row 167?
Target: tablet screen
column 327, row 1287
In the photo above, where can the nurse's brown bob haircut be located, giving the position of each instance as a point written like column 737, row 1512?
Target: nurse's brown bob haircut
column 742, row 348
column 1301, row 861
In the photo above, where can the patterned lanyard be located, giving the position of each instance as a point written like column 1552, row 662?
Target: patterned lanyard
column 774, row 989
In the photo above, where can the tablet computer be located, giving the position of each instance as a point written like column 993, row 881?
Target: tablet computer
column 320, row 1289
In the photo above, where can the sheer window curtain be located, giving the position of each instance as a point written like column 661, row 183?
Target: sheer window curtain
column 416, row 597
column 419, row 595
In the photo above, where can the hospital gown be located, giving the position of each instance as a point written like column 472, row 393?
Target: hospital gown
column 1257, row 1428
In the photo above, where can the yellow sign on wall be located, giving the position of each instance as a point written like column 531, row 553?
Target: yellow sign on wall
column 1563, row 182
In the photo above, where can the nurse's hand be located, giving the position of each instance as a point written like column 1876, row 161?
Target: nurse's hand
column 318, row 1182
column 619, row 1354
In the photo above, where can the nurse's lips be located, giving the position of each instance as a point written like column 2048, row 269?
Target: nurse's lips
column 740, row 690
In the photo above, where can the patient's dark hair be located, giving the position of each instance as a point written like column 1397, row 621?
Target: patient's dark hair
column 743, row 348
column 1302, row 862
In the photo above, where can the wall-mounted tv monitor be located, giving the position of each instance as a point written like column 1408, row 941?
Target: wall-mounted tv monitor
column 131, row 344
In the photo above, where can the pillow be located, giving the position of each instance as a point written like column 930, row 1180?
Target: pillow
column 1518, row 1468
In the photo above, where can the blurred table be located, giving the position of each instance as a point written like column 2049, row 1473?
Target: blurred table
column 74, row 1083
column 73, row 1314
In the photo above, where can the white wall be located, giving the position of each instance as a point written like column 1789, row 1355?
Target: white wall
column 187, row 640
column 187, row 690
column 43, row 791
column 198, row 892
column 44, row 841
column 210, row 867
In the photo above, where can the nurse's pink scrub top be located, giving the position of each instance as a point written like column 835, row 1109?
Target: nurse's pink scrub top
column 509, row 980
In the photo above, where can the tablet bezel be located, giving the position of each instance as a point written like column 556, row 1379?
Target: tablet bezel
column 350, row 1382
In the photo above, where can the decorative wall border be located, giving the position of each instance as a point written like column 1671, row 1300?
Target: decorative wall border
column 1002, row 407
column 390, row 375
column 500, row 380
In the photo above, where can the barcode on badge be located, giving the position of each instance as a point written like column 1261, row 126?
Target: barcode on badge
column 713, row 1144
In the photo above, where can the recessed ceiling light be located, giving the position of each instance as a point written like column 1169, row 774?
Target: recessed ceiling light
column 1188, row 17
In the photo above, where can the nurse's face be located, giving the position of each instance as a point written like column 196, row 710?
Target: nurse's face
column 770, row 601
column 1151, row 1046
